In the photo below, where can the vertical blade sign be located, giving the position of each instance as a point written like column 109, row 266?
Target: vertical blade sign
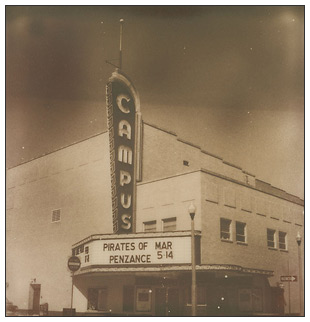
column 121, row 124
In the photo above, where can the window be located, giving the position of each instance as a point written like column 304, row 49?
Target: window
column 282, row 240
column 271, row 238
column 143, row 300
column 170, row 224
column 79, row 250
column 86, row 254
column 225, row 229
column 56, row 215
column 149, row 226
column 97, row 299
column 240, row 232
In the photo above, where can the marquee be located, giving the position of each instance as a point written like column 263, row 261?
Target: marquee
column 144, row 251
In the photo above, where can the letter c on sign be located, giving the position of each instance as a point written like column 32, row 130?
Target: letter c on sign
column 119, row 102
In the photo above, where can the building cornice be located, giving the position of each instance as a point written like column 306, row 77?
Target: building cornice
column 251, row 187
column 59, row 149
column 215, row 174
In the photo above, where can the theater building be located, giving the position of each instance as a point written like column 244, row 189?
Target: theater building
column 119, row 202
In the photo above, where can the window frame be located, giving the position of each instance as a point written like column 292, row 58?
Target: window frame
column 143, row 305
column 285, row 240
column 244, row 232
column 274, row 241
column 225, row 232
column 150, row 222
column 168, row 220
column 56, row 212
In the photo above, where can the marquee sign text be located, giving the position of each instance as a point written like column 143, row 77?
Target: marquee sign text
column 138, row 251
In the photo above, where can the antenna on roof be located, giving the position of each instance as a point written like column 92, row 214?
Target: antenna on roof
column 120, row 60
column 120, row 42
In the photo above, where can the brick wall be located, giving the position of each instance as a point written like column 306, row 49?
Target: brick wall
column 164, row 153
column 259, row 211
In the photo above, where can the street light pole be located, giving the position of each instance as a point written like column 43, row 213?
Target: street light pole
column 191, row 211
column 298, row 240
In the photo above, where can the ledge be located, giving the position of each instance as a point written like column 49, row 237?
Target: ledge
column 227, row 241
column 242, row 243
column 233, row 207
column 246, row 210
column 274, row 218
column 216, row 202
column 287, row 222
column 262, row 215
column 232, row 165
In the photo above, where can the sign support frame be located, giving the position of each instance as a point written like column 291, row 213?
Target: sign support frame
column 72, row 291
column 75, row 260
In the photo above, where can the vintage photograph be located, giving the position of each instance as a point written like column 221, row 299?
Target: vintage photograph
column 155, row 160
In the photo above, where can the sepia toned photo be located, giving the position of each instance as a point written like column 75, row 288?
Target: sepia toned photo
column 154, row 161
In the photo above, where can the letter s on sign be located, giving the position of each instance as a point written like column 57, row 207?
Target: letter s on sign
column 126, row 221
column 119, row 102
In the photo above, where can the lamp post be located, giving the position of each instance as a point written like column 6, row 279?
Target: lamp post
column 298, row 240
column 191, row 211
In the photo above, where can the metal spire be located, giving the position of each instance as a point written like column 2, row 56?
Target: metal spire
column 120, row 60
column 120, row 43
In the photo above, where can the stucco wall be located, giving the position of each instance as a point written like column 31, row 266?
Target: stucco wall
column 167, row 198
column 75, row 180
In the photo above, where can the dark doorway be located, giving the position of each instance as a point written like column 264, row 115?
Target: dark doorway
column 167, row 302
column 173, row 302
column 160, row 302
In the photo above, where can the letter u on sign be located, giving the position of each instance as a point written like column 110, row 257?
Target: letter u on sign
column 126, row 200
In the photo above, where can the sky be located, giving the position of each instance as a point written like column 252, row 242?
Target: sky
column 227, row 78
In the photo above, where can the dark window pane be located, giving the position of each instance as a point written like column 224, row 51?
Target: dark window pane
column 92, row 299
column 143, row 297
column 282, row 240
column 225, row 228
column 170, row 224
column 271, row 238
column 240, row 232
column 240, row 238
